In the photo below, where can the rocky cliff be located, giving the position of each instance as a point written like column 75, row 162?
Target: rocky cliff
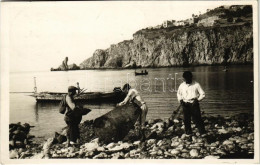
column 231, row 44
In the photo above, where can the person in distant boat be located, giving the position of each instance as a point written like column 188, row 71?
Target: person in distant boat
column 142, row 71
column 73, row 116
column 225, row 69
column 134, row 96
column 189, row 95
column 145, row 71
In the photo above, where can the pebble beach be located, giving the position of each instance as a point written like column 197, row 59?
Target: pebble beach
column 226, row 138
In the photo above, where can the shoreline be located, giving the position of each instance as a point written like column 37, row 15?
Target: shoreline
column 131, row 68
column 227, row 138
column 248, row 64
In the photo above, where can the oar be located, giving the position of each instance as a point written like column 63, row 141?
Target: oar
column 175, row 113
column 81, row 92
column 178, row 108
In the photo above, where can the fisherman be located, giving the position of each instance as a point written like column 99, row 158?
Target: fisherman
column 73, row 116
column 134, row 96
column 78, row 87
column 189, row 95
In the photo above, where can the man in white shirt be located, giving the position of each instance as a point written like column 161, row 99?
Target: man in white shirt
column 134, row 96
column 189, row 95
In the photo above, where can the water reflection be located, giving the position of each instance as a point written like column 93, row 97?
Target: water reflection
column 36, row 112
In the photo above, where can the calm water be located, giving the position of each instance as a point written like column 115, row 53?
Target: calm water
column 227, row 93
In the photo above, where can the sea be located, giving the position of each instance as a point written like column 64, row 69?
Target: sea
column 227, row 93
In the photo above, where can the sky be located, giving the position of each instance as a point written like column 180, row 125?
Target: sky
column 39, row 35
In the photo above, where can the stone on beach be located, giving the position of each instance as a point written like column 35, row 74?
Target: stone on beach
column 90, row 146
column 46, row 147
column 194, row 153
column 19, row 135
column 175, row 152
column 13, row 154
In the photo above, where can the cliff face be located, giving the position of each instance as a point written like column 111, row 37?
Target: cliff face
column 178, row 47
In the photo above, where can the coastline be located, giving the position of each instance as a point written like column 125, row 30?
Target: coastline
column 132, row 68
column 227, row 138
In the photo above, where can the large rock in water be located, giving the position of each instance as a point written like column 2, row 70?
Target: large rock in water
column 116, row 124
column 64, row 66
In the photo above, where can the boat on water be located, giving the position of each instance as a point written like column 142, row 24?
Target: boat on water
column 225, row 69
column 114, row 96
column 141, row 73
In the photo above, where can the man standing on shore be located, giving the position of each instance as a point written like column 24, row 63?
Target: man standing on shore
column 133, row 95
column 189, row 95
column 73, row 116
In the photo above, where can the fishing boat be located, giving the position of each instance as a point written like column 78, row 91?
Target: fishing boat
column 114, row 96
column 141, row 73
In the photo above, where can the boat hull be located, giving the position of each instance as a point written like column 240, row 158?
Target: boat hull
column 115, row 125
column 139, row 74
column 89, row 96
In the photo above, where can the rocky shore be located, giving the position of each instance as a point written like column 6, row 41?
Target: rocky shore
column 226, row 138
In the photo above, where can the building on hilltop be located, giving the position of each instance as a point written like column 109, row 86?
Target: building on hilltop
column 191, row 21
column 169, row 23
column 209, row 21
column 180, row 23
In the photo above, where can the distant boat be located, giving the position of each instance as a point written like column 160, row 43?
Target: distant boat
column 225, row 69
column 141, row 73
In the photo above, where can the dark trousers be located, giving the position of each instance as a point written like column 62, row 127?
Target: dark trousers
column 73, row 126
column 192, row 110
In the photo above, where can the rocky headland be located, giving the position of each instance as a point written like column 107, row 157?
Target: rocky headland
column 226, row 138
column 221, row 36
column 178, row 47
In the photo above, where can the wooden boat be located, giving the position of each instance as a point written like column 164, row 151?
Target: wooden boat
column 115, row 96
column 115, row 125
column 141, row 73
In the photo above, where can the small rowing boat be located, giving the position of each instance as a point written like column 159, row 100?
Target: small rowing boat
column 141, row 73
